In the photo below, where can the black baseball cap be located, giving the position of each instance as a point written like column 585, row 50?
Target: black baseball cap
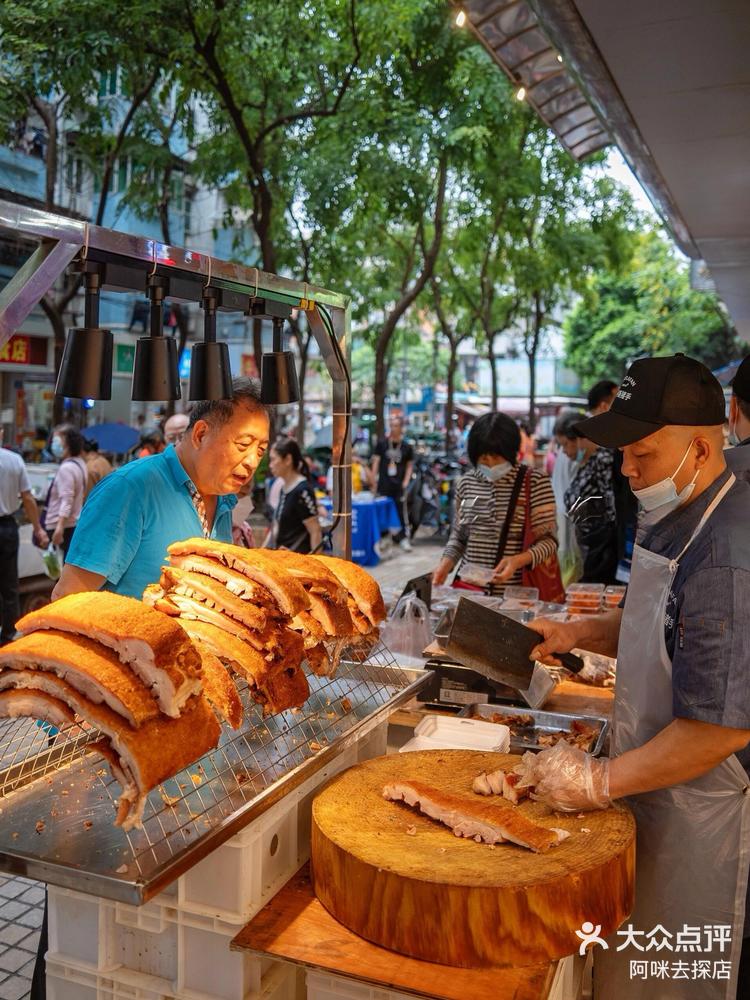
column 741, row 382
column 656, row 393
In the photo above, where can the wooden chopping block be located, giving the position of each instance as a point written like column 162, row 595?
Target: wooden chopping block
column 405, row 882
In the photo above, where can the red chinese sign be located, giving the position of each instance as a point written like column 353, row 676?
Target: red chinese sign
column 24, row 350
column 17, row 351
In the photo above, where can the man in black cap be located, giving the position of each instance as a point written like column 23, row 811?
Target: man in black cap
column 680, row 751
column 738, row 457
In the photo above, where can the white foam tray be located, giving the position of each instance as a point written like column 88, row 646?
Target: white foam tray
column 441, row 732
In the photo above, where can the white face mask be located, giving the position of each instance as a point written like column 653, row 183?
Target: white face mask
column 495, row 472
column 663, row 496
column 734, row 438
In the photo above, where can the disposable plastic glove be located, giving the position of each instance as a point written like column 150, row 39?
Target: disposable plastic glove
column 566, row 779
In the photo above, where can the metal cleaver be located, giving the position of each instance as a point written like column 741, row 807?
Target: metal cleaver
column 499, row 648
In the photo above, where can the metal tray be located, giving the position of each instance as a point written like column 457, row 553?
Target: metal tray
column 58, row 801
column 545, row 722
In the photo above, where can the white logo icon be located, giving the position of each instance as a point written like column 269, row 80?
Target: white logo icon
column 590, row 935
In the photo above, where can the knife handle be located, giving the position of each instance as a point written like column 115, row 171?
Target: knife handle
column 570, row 661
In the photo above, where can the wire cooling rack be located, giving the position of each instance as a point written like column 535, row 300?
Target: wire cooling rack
column 58, row 800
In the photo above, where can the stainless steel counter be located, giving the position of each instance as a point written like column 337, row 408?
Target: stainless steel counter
column 57, row 800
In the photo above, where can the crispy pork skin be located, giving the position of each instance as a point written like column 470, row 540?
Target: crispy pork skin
column 150, row 755
column 156, row 650
column 89, row 667
column 256, row 564
column 485, row 822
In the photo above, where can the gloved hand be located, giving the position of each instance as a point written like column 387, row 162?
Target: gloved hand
column 566, row 779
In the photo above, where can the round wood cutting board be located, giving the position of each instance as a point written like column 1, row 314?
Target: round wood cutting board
column 405, row 882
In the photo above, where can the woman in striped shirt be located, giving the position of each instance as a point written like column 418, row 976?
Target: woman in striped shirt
column 482, row 499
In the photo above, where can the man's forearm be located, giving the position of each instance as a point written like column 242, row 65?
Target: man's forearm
column 683, row 750
column 74, row 580
column 31, row 511
column 599, row 633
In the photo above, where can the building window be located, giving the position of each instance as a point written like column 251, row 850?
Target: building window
column 109, row 82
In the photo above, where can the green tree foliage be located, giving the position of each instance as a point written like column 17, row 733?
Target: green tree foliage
column 647, row 309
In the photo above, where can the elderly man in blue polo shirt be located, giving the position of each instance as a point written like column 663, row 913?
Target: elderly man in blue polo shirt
column 680, row 752
column 130, row 518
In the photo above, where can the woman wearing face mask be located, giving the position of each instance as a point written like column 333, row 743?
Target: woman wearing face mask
column 490, row 519
column 591, row 496
column 65, row 498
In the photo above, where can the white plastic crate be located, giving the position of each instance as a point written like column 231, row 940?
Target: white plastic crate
column 180, row 938
column 68, row 981
column 324, row 987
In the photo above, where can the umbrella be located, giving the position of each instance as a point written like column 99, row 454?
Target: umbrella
column 117, row 438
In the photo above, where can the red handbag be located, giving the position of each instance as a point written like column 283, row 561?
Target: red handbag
column 546, row 576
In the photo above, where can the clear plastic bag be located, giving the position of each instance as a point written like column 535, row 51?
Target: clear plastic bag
column 52, row 557
column 407, row 631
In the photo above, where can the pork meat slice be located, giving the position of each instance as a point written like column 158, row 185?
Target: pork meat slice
column 486, row 822
column 157, row 651
column 91, row 668
column 149, row 755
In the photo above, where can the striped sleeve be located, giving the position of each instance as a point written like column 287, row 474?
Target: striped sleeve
column 543, row 519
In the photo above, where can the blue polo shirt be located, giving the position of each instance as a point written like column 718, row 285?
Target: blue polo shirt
column 132, row 515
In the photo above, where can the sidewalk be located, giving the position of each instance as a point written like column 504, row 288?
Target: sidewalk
column 21, row 911
column 402, row 566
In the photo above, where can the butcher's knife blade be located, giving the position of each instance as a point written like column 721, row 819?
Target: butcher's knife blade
column 499, row 647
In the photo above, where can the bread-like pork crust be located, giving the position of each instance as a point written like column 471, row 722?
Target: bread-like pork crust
column 157, row 651
column 362, row 587
column 256, row 564
column 89, row 667
column 219, row 688
column 151, row 754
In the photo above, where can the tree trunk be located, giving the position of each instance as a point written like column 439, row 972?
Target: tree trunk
column 493, row 370
column 301, row 404
column 532, row 391
column 408, row 297
column 532, row 346
column 452, row 365
column 183, row 332
column 50, row 180
column 380, row 388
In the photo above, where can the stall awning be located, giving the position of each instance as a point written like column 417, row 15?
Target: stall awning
column 513, row 35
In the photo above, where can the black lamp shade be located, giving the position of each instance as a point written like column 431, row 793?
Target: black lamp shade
column 210, row 374
column 278, row 378
column 86, row 366
column 155, row 372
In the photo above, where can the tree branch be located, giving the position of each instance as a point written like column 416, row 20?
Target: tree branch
column 324, row 111
column 428, row 264
column 138, row 98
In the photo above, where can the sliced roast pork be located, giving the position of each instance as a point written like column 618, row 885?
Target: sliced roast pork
column 155, row 649
column 486, row 822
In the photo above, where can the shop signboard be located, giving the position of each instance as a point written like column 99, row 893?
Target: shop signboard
column 124, row 358
column 23, row 349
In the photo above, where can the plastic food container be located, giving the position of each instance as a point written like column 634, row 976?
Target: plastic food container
column 613, row 596
column 584, row 598
column 441, row 732
column 526, row 596
column 480, row 576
